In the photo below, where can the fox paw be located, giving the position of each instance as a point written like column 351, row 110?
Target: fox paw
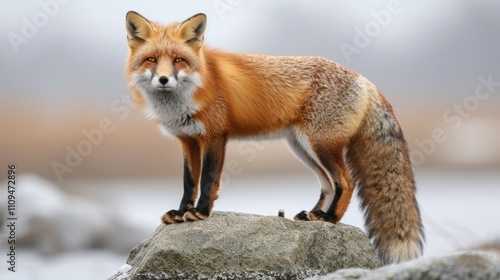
column 172, row 217
column 194, row 214
column 315, row 215
column 302, row 216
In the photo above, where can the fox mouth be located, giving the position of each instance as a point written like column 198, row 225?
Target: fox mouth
column 165, row 89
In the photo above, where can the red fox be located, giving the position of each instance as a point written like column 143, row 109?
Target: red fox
column 334, row 119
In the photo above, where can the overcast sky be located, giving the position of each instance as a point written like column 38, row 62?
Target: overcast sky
column 422, row 49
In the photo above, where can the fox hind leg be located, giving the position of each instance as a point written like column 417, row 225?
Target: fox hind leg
column 327, row 162
column 333, row 160
column 302, row 150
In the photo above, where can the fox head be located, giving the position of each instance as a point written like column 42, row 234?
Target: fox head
column 164, row 59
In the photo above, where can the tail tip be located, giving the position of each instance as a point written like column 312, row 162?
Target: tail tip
column 401, row 252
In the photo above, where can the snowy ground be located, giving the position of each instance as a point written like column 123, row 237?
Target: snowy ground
column 459, row 210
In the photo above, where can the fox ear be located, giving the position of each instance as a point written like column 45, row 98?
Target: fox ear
column 192, row 30
column 138, row 28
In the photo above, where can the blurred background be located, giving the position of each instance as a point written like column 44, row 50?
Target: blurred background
column 94, row 175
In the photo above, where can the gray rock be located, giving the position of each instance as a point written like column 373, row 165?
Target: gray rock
column 465, row 265
column 241, row 246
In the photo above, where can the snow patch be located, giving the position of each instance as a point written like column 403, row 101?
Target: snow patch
column 54, row 221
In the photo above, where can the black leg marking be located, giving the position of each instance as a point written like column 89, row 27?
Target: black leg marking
column 213, row 160
column 187, row 202
column 208, row 179
column 188, row 198
column 331, row 210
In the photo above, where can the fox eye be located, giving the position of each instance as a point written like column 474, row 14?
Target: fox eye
column 151, row 59
column 178, row 60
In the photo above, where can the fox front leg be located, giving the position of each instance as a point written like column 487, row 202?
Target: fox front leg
column 192, row 167
column 213, row 161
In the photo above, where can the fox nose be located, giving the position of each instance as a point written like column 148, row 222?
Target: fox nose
column 163, row 80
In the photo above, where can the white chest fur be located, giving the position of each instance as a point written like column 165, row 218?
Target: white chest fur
column 174, row 110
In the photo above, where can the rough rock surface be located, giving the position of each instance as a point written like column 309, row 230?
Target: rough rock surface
column 241, row 246
column 465, row 265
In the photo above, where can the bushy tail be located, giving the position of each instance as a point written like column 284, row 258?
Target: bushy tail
column 380, row 166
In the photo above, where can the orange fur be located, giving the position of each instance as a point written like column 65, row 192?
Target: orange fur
column 253, row 105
